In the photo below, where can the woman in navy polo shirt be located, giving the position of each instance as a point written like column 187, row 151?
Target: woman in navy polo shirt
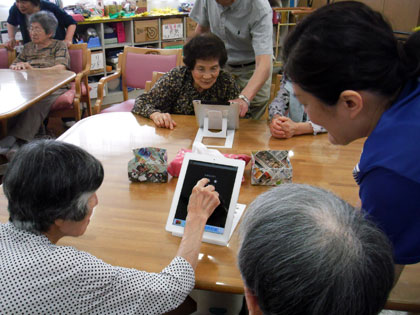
column 20, row 12
column 356, row 80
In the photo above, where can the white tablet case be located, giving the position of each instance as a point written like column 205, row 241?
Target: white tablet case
column 235, row 210
column 221, row 117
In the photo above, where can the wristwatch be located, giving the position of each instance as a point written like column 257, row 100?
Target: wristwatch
column 245, row 99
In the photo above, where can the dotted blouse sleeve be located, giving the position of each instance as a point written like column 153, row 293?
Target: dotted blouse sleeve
column 159, row 98
column 105, row 289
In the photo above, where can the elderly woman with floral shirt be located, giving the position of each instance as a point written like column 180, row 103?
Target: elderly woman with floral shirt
column 200, row 79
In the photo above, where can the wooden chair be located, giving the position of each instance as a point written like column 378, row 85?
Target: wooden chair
column 135, row 68
column 6, row 57
column 128, row 105
column 68, row 104
column 275, row 87
column 155, row 76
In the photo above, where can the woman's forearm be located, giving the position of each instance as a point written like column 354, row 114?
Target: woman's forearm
column 191, row 240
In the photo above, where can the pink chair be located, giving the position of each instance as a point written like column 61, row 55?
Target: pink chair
column 136, row 67
column 6, row 57
column 68, row 104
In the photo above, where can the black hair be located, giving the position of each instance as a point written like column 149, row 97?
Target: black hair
column 348, row 46
column 204, row 46
column 46, row 180
column 34, row 2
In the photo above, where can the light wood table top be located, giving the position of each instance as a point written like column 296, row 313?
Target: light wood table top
column 128, row 228
column 21, row 89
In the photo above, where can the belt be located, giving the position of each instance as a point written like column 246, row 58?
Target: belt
column 243, row 65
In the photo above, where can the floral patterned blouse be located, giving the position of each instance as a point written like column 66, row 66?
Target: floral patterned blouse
column 174, row 92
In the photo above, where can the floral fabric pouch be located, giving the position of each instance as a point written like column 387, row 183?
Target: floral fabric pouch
column 148, row 165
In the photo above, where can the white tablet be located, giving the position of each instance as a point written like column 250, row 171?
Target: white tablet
column 229, row 111
column 226, row 175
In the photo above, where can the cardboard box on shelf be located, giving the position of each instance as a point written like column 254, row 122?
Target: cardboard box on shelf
column 146, row 31
column 172, row 28
column 191, row 25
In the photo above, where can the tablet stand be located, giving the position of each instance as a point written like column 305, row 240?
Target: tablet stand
column 216, row 119
column 239, row 210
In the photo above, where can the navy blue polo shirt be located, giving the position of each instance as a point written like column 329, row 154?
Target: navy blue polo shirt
column 64, row 20
column 389, row 174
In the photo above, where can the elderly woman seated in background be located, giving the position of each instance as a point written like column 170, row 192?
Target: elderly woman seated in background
column 51, row 189
column 43, row 53
column 200, row 79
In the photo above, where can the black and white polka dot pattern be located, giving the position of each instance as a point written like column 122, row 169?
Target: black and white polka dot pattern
column 38, row 277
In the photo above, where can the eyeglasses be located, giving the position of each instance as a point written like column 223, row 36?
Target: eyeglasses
column 36, row 30
column 203, row 71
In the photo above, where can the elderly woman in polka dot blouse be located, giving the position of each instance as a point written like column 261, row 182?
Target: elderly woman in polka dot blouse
column 51, row 188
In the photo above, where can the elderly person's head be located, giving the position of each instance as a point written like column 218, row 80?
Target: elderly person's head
column 50, row 186
column 42, row 27
column 204, row 55
column 305, row 251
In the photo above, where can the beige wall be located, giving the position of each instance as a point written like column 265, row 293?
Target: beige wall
column 404, row 15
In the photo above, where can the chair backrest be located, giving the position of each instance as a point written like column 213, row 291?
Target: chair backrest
column 156, row 76
column 78, row 57
column 138, row 64
column 275, row 87
column 6, row 57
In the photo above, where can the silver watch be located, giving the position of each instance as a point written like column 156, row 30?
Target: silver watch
column 246, row 99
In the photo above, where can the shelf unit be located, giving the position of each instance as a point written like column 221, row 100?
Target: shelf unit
column 129, row 28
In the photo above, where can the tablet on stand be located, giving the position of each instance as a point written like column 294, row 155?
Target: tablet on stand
column 221, row 117
column 226, row 175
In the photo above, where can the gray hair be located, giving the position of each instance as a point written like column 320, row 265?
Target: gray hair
column 47, row 20
column 48, row 180
column 305, row 251
column 77, row 209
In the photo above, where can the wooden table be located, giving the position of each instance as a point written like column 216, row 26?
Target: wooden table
column 128, row 228
column 21, row 89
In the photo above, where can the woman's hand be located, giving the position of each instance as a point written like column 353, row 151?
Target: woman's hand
column 243, row 106
column 68, row 42
column 163, row 120
column 21, row 66
column 203, row 200
column 10, row 45
column 283, row 127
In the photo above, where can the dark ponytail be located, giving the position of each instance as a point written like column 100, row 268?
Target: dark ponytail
column 348, row 46
column 411, row 50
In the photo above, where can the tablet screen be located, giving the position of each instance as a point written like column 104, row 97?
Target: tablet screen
column 222, row 177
